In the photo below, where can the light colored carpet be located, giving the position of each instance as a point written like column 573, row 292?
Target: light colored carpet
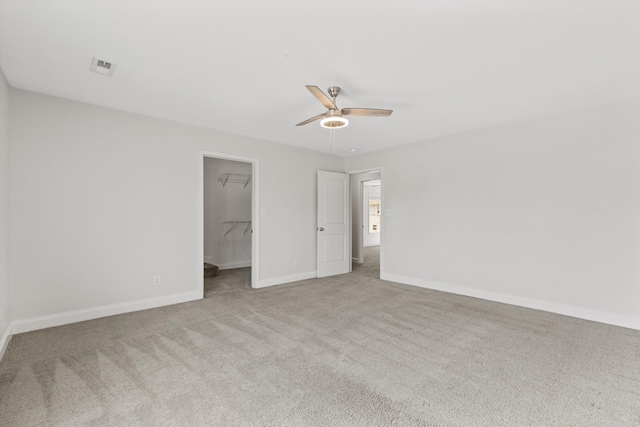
column 347, row 350
column 371, row 266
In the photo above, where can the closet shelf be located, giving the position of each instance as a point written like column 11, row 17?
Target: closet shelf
column 236, row 178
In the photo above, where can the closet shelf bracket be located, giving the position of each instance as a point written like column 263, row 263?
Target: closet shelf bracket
column 229, row 230
column 235, row 224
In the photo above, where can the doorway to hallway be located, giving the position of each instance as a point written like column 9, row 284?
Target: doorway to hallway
column 367, row 225
column 371, row 213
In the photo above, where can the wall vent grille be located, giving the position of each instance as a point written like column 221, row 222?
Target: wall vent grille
column 103, row 67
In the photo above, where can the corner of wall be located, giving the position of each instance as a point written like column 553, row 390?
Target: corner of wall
column 5, row 285
column 4, row 340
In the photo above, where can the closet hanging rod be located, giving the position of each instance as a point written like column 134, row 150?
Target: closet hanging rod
column 239, row 178
column 236, row 222
column 245, row 175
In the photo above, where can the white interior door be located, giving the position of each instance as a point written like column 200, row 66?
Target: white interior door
column 333, row 223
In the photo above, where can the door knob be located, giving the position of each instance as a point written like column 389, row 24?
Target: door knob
column 321, row 228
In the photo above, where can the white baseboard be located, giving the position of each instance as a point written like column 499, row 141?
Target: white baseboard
column 286, row 279
column 26, row 325
column 232, row 265
column 566, row 310
column 228, row 265
column 4, row 341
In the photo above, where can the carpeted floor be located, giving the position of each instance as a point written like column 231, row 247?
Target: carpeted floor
column 345, row 350
column 371, row 266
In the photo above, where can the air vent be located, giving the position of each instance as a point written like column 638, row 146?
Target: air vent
column 103, row 67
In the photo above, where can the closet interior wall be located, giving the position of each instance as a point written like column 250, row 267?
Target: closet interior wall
column 227, row 213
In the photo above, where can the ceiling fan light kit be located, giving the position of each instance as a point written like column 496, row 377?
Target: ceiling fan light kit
column 334, row 122
column 333, row 118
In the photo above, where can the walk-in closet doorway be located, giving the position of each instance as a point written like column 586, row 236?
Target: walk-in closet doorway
column 229, row 228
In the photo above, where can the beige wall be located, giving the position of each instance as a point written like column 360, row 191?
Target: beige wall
column 5, row 317
column 542, row 213
column 103, row 200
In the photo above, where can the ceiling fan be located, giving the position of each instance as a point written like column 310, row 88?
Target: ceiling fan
column 333, row 118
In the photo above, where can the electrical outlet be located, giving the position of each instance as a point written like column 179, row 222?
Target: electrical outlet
column 452, row 270
column 295, row 261
column 156, row 280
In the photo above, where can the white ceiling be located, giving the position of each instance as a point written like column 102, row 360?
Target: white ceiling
column 442, row 66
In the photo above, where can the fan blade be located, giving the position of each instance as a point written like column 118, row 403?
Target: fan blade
column 365, row 112
column 312, row 119
column 324, row 99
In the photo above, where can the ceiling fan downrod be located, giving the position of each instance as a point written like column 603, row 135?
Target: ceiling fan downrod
column 334, row 91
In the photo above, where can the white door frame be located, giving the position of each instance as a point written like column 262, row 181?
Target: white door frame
column 255, row 209
column 382, row 219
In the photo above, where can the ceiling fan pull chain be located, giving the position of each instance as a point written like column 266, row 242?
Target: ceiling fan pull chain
column 332, row 140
